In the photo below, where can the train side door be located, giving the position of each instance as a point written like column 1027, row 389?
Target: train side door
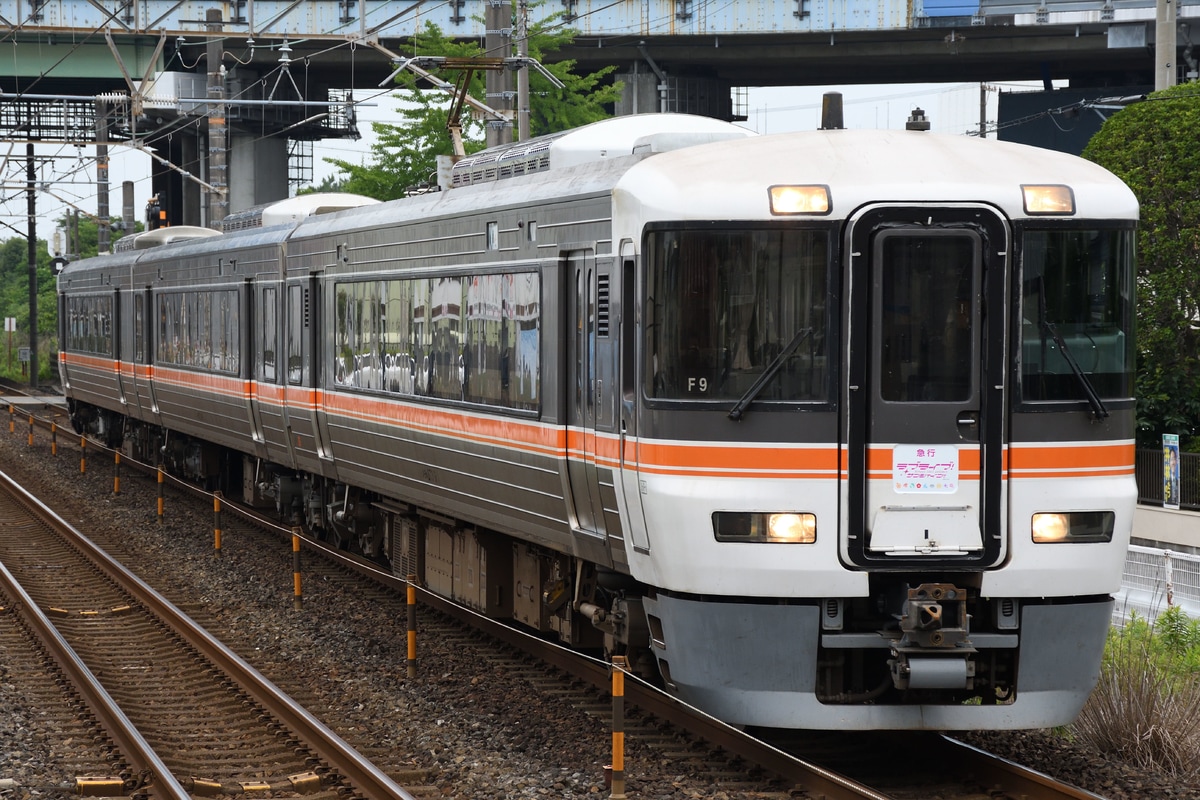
column 582, row 388
column 628, row 459
column 254, row 325
column 926, row 423
column 300, row 393
column 126, row 391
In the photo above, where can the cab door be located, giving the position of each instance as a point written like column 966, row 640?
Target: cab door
column 926, row 422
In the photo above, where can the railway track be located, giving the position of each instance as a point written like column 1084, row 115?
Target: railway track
column 187, row 715
column 732, row 758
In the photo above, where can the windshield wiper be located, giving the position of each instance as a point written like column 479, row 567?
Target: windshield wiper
column 1089, row 391
column 735, row 413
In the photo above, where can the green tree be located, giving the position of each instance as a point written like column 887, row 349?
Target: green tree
column 1154, row 146
column 405, row 155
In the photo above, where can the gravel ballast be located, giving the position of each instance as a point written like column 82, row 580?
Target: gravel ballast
column 469, row 726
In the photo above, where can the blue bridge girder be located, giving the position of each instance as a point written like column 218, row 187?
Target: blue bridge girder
column 348, row 43
column 288, row 66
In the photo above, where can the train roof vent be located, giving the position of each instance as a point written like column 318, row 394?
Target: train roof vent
column 640, row 134
column 293, row 209
column 162, row 236
column 505, row 161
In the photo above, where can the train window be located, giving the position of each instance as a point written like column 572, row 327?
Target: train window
column 139, row 331
column 357, row 337
column 199, row 329
column 927, row 314
column 270, row 335
column 493, row 236
column 295, row 339
column 722, row 305
column 1077, row 305
column 469, row 338
column 89, row 324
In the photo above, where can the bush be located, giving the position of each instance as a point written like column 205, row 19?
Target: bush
column 1145, row 704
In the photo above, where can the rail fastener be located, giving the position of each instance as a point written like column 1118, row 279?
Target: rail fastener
column 204, row 787
column 100, row 786
column 305, row 782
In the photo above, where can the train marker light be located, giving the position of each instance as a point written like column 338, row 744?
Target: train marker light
column 800, row 200
column 1048, row 199
column 800, row 528
column 781, row 528
column 1073, row 526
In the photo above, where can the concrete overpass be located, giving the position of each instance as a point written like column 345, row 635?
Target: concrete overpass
column 290, row 64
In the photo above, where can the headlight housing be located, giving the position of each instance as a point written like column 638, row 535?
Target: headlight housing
column 811, row 199
column 1073, row 526
column 784, row 527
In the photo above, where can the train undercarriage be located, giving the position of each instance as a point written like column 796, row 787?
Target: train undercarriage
column 499, row 576
column 911, row 640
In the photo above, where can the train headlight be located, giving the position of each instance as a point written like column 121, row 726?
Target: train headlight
column 1074, row 526
column 782, row 527
column 1049, row 199
column 800, row 200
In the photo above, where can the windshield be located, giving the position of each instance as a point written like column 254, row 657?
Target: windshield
column 1077, row 294
column 721, row 305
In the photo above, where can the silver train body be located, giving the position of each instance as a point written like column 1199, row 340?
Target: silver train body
column 828, row 429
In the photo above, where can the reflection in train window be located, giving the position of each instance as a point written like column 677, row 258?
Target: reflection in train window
column 475, row 339
column 200, row 329
column 722, row 305
column 89, row 324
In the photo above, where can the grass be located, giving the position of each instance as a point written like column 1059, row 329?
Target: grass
column 1147, row 702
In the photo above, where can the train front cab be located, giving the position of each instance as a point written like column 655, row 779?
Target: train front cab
column 948, row 562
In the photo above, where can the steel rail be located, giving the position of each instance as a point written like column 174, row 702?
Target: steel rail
column 1015, row 779
column 362, row 775
column 810, row 777
column 129, row 741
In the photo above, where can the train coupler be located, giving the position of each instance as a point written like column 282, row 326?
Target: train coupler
column 934, row 650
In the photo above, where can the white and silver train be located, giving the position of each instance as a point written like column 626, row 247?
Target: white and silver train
column 828, row 430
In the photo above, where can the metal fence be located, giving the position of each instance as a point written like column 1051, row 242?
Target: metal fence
column 1149, row 470
column 1155, row 579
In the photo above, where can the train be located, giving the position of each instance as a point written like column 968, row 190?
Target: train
column 828, row 429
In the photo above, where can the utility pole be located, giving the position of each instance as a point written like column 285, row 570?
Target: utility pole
column 218, row 165
column 1164, row 45
column 982, row 110
column 498, row 83
column 103, row 234
column 30, row 187
column 523, row 121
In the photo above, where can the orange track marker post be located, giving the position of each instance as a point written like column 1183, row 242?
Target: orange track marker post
column 160, row 494
column 412, row 626
column 217, row 523
column 298, row 601
column 618, row 728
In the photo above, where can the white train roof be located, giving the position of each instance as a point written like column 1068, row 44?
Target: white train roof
column 730, row 180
